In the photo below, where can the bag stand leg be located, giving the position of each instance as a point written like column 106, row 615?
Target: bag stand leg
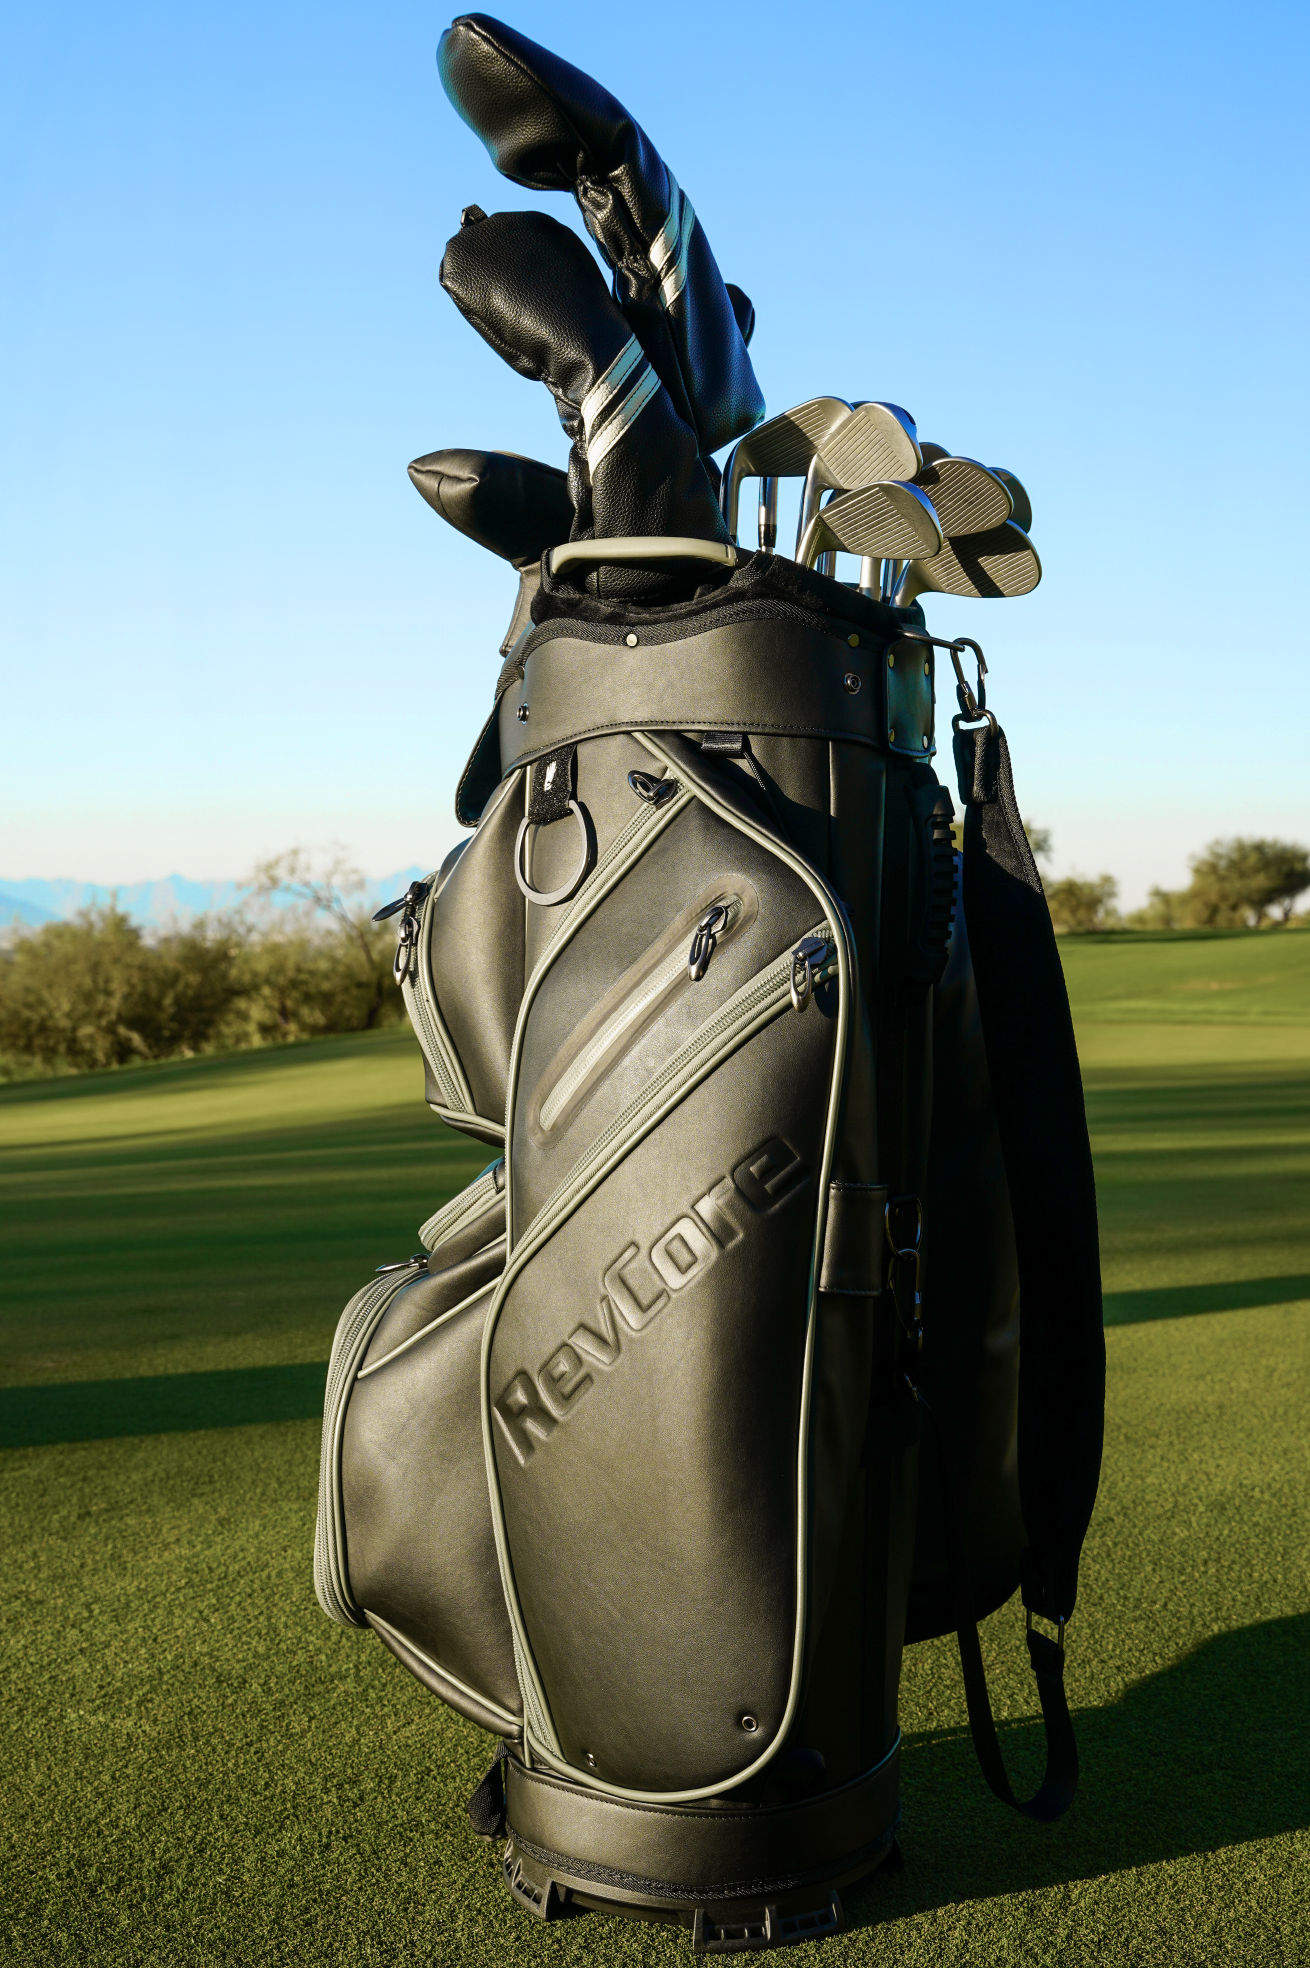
column 741, row 1877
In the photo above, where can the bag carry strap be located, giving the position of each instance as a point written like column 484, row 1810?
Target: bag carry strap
column 1032, row 1061
column 1061, row 1779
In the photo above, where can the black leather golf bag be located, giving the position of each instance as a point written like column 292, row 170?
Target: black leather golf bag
column 705, row 1394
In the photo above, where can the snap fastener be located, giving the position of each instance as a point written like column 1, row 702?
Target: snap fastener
column 891, row 659
column 852, row 683
column 891, row 734
column 631, row 639
column 589, row 1759
column 854, row 641
column 522, row 713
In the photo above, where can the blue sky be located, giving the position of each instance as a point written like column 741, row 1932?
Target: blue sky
column 1070, row 240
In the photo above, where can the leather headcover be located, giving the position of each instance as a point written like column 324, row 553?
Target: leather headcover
column 550, row 127
column 513, row 506
column 532, row 290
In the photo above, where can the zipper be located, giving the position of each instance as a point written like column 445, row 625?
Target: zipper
column 758, row 1002
column 410, row 902
column 677, row 968
column 415, row 980
column 477, row 1200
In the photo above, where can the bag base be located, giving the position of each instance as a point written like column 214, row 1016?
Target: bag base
column 741, row 1877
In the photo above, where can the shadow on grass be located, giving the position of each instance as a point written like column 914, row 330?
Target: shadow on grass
column 159, row 1404
column 1180, row 1301
column 1212, row 1752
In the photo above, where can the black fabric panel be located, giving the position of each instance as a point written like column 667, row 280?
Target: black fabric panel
column 969, row 1368
column 1033, row 1063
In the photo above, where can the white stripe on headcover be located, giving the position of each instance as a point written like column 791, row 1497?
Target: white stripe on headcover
column 623, row 418
column 668, row 253
column 608, row 386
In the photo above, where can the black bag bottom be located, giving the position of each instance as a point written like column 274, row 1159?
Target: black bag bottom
column 741, row 1878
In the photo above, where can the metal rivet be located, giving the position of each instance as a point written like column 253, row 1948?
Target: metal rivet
column 522, row 714
column 852, row 683
column 631, row 638
column 749, row 1724
column 589, row 1759
column 891, row 734
column 891, row 659
column 926, row 669
column 925, row 741
column 854, row 641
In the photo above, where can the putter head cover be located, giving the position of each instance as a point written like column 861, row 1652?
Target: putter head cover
column 532, row 290
column 548, row 126
column 515, row 507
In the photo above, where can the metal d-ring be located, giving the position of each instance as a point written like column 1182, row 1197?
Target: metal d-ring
column 574, row 882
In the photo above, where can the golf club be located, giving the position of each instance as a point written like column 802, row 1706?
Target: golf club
column 968, row 498
column 876, row 442
column 889, row 518
column 782, row 448
column 999, row 563
column 1023, row 505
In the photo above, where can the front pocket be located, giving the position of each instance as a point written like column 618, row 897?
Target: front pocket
column 645, row 1403
column 644, row 992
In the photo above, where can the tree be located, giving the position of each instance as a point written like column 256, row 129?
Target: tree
column 1241, row 881
column 328, row 892
column 1078, row 905
column 93, row 992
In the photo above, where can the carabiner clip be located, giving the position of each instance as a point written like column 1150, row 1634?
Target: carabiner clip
column 972, row 704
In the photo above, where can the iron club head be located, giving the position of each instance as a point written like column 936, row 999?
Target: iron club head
column 781, row 448
column 999, row 563
column 888, row 520
column 876, row 442
column 968, row 497
column 1023, row 505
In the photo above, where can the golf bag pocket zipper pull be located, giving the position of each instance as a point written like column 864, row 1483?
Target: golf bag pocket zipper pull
column 706, row 940
column 656, row 792
column 410, row 903
column 807, row 962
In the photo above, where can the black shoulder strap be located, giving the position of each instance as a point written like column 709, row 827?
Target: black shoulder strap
column 1032, row 1061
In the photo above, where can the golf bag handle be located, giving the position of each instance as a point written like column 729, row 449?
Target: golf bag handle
column 655, row 548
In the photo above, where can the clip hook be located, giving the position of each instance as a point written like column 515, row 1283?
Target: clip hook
column 973, row 704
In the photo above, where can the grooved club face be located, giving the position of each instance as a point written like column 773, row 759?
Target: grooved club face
column 1000, row 563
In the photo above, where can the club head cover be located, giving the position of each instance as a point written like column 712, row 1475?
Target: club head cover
column 513, row 506
column 548, row 126
column 532, row 290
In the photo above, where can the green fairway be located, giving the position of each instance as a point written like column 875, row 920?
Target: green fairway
column 199, row 1768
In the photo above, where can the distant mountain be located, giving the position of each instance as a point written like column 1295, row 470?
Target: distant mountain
column 153, row 904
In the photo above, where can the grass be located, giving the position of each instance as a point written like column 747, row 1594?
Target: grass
column 199, row 1768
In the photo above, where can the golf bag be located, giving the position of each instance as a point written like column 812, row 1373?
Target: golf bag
column 771, row 1337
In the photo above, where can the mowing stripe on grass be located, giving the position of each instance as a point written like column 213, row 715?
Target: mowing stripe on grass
column 161, row 1404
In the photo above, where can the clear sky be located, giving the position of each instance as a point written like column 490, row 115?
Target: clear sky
column 1070, row 239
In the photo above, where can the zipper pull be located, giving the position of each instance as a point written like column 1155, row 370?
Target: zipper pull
column 806, row 959
column 411, row 901
column 705, row 941
column 419, row 1262
column 656, row 792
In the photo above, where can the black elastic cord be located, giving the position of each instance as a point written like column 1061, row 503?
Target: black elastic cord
column 1060, row 1782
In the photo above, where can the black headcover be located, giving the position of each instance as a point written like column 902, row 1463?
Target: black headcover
column 550, row 127
column 532, row 290
column 513, row 506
